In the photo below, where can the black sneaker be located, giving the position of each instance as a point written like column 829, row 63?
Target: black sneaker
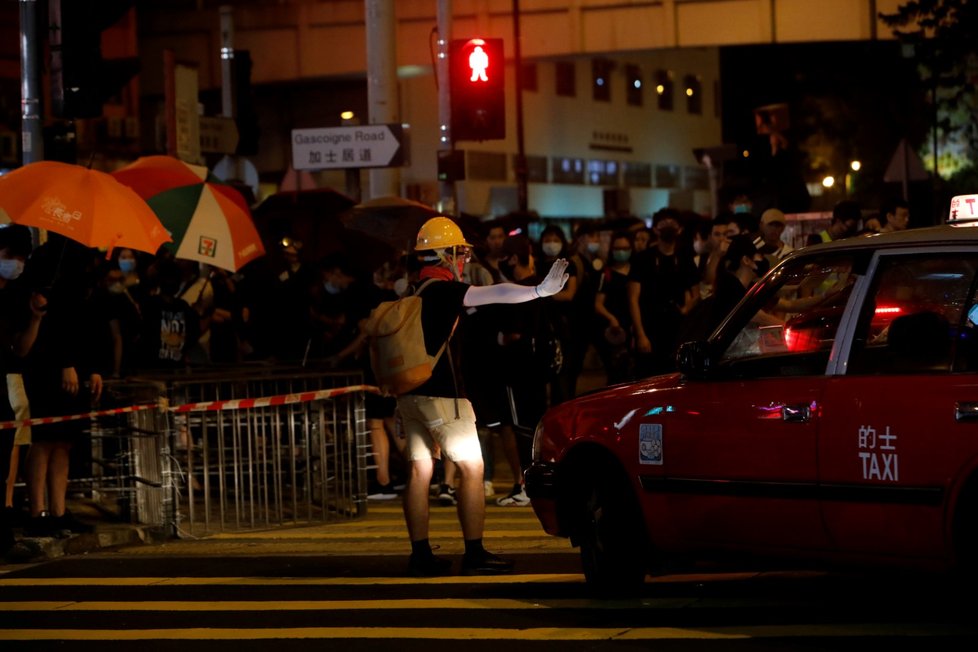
column 485, row 563
column 446, row 496
column 67, row 522
column 44, row 525
column 429, row 565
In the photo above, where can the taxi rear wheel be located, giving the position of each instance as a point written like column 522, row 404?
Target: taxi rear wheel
column 965, row 531
column 611, row 536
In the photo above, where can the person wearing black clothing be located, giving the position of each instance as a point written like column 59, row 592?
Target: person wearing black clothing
column 554, row 247
column 60, row 375
column 611, row 304
column 169, row 326
column 436, row 415
column 524, row 331
column 662, row 287
column 739, row 270
column 21, row 313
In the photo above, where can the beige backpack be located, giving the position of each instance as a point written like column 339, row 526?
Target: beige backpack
column 398, row 356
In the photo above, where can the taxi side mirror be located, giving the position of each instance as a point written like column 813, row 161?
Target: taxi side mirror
column 694, row 359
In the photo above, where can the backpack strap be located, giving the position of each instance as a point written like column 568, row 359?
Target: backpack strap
column 444, row 347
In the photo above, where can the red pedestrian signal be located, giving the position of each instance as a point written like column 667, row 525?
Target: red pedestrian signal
column 478, row 91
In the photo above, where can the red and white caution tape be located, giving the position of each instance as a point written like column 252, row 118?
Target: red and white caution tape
column 269, row 401
column 42, row 421
column 203, row 406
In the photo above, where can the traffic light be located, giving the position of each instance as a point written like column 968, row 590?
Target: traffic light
column 81, row 81
column 476, row 68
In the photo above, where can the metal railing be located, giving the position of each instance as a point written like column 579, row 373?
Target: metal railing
column 196, row 473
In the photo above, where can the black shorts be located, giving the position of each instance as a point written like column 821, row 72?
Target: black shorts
column 48, row 399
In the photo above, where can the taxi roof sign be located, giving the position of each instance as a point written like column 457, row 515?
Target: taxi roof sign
column 964, row 208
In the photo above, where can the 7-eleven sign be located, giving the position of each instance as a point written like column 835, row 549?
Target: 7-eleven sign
column 207, row 246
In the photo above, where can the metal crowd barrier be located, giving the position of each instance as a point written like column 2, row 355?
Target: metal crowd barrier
column 200, row 472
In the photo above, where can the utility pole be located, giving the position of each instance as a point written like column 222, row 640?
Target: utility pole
column 31, row 134
column 382, row 88
column 521, row 172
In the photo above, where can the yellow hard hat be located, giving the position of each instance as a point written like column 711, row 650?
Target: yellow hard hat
column 440, row 233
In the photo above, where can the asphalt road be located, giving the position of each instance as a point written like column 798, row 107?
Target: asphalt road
column 346, row 585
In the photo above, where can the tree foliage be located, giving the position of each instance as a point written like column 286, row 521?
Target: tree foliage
column 944, row 38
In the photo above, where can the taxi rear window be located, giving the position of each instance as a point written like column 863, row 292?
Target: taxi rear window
column 914, row 319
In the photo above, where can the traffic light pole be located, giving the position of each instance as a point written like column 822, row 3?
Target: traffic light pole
column 446, row 188
column 227, row 60
column 522, row 201
column 30, row 97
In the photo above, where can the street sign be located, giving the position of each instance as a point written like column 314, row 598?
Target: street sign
column 359, row 146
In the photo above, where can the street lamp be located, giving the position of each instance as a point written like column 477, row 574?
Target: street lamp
column 828, row 181
column 855, row 166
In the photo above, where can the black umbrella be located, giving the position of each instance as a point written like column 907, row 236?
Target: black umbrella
column 392, row 219
column 318, row 202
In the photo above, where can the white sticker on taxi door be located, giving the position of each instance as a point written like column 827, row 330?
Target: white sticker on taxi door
column 650, row 443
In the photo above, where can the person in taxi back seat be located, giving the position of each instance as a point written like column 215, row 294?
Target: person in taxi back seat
column 919, row 342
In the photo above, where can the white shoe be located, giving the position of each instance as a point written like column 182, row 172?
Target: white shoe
column 516, row 498
column 490, row 490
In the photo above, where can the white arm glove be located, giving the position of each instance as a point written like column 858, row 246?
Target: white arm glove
column 555, row 280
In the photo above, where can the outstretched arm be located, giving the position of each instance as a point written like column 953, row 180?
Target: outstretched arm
column 512, row 293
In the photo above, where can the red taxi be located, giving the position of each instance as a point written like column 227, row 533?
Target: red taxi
column 832, row 415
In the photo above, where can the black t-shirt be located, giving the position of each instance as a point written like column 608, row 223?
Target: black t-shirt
column 664, row 280
column 614, row 286
column 15, row 315
column 169, row 327
column 729, row 291
column 441, row 305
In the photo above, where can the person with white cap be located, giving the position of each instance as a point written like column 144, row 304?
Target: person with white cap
column 769, row 241
column 436, row 415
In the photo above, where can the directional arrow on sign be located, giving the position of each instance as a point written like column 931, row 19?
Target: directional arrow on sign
column 356, row 146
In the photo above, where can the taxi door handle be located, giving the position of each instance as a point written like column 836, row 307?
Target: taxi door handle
column 796, row 413
column 965, row 411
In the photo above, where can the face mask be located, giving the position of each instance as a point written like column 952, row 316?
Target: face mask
column 551, row 248
column 127, row 265
column 117, row 288
column 401, row 286
column 593, row 247
column 699, row 246
column 621, row 255
column 11, row 268
column 741, row 208
column 331, row 289
column 668, row 234
column 762, row 266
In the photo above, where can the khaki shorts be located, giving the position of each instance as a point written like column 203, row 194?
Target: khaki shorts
column 430, row 420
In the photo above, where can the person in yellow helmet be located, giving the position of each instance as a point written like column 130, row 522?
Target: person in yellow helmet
column 437, row 414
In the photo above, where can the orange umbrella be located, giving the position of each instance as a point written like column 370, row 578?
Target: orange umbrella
column 208, row 219
column 84, row 205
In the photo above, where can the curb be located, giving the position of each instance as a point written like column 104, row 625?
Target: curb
column 40, row 549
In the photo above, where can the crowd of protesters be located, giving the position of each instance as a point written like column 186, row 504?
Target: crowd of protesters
column 73, row 317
